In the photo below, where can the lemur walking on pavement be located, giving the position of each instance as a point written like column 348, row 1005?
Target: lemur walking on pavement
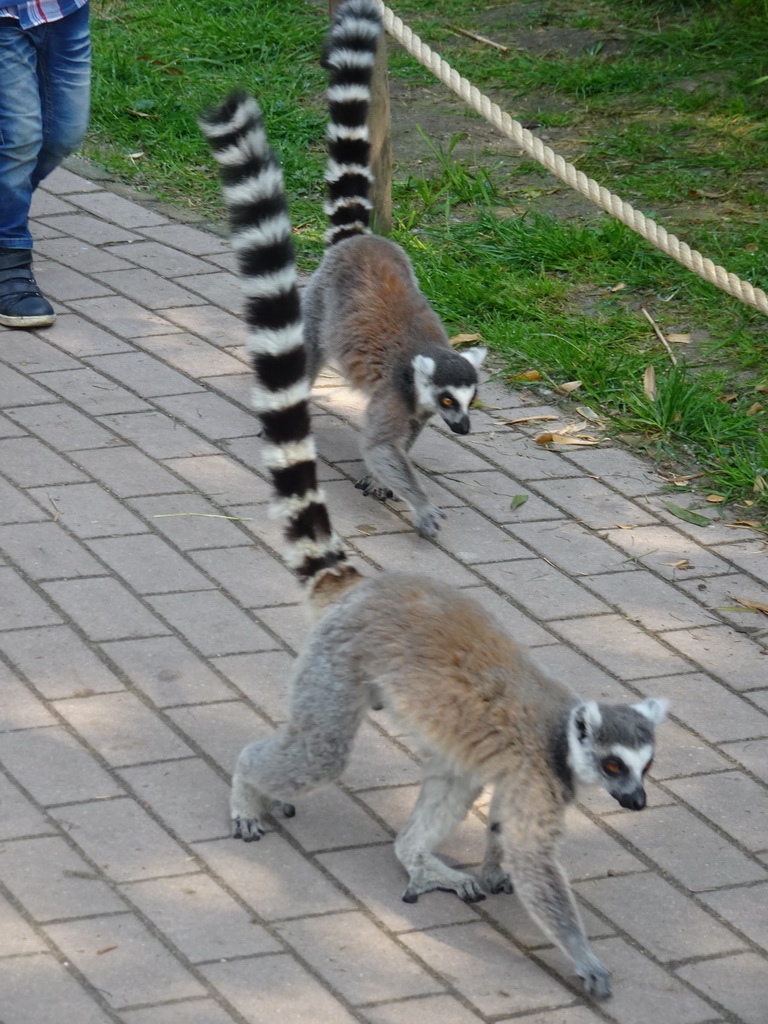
column 485, row 714
column 363, row 310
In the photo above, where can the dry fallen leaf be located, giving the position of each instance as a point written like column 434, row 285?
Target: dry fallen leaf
column 528, row 419
column 568, row 387
column 682, row 564
column 465, row 339
column 715, row 498
column 757, row 606
column 757, row 407
column 649, row 382
column 561, row 438
column 679, row 339
column 745, row 524
column 731, row 397
column 617, row 287
column 108, row 949
column 527, row 375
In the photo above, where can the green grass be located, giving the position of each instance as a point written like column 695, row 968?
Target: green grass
column 666, row 103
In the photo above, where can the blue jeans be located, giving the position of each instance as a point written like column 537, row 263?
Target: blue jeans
column 45, row 78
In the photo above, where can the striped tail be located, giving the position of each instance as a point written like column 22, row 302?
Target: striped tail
column 349, row 54
column 253, row 189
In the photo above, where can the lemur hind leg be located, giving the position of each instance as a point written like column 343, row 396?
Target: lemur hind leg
column 271, row 773
column 446, row 796
column 495, row 878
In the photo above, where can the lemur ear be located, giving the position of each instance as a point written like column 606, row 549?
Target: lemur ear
column 475, row 355
column 587, row 719
column 653, row 708
column 423, row 370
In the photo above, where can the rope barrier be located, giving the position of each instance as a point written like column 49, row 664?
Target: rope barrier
column 557, row 165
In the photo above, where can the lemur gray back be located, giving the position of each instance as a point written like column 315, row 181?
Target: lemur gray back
column 484, row 713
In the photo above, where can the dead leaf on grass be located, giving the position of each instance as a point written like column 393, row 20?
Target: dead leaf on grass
column 649, row 383
column 618, row 287
column 753, row 409
column 465, row 339
column 562, row 438
column 569, row 387
column 714, row 499
column 679, row 339
column 755, row 606
column 527, row 375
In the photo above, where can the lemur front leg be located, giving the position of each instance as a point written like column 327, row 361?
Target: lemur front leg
column 543, row 888
column 370, row 486
column 495, row 878
column 446, row 796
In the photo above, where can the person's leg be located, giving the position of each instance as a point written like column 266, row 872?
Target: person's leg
column 44, row 106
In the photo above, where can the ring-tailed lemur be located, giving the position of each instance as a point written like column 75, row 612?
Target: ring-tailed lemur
column 363, row 310
column 484, row 713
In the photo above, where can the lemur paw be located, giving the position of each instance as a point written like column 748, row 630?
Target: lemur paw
column 371, row 489
column 465, row 886
column 248, row 829
column 428, row 522
column 496, row 880
column 596, row 978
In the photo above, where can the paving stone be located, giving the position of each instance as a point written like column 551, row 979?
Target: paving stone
column 190, row 1011
column 63, row 426
column 356, row 959
column 137, row 964
column 145, row 375
column 739, row 983
column 20, row 606
column 376, row 878
column 123, row 840
column 128, row 473
column 16, row 936
column 474, row 957
column 88, row 510
column 188, row 239
column 519, row 455
column 51, row 881
column 40, row 653
column 190, row 522
column 16, row 508
column 330, row 818
column 212, row 622
column 428, row 1010
column 724, row 653
column 54, row 767
column 163, row 260
column 680, row 751
column 272, row 878
column 221, row 729
column 25, row 352
column 122, row 729
column 731, row 800
column 620, row 647
column 104, row 609
column 15, row 389
column 189, row 796
column 39, row 988
column 697, row 856
column 753, row 754
column 212, row 416
column 621, row 470
column 80, row 337
column 588, row 851
column 90, row 229
column 744, row 909
column 222, row 479
column 593, row 504
column 662, row 920
column 122, row 317
column 92, row 392
column 580, row 674
column 709, row 709
column 264, row 678
column 63, row 283
column 200, row 918
column 544, row 591
column 217, row 326
column 377, row 761
column 89, row 259
column 149, row 564
column 651, row 602
column 642, row 991
column 276, row 988
column 189, row 355
column 720, row 594
column 20, row 708
column 254, row 578
column 115, row 208
column 751, row 556
column 9, row 429
column 222, row 288
column 492, row 493
column 30, row 463
column 19, row 817
column 573, row 548
column 166, row 671
column 409, row 553
column 662, row 549
column 45, row 551
column 158, row 435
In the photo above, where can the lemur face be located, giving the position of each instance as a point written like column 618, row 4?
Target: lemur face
column 453, row 405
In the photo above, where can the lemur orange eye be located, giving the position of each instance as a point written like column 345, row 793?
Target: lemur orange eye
column 447, row 402
column 612, row 766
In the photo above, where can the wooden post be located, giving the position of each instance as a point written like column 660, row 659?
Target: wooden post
column 380, row 128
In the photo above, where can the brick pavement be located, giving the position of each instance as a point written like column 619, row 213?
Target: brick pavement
column 147, row 632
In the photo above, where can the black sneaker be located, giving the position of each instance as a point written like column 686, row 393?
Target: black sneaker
column 21, row 302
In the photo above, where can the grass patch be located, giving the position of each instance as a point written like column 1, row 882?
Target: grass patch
column 666, row 104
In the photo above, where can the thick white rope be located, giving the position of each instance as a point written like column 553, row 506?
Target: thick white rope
column 557, row 165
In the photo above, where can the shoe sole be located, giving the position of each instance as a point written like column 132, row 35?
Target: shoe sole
column 27, row 321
